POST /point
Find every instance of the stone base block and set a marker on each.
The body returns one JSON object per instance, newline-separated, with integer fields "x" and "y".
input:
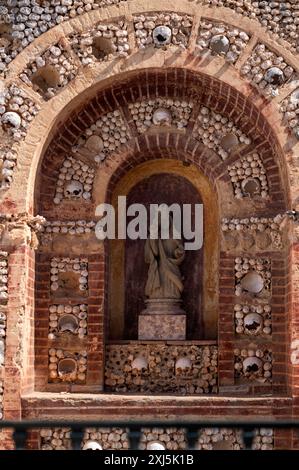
{"x": 163, "y": 307}
{"x": 162, "y": 327}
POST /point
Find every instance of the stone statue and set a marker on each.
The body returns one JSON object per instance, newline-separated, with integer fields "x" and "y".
{"x": 164, "y": 257}
{"x": 163, "y": 317}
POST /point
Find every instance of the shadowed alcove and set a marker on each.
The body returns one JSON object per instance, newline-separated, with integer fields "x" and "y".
{"x": 158, "y": 189}
{"x": 169, "y": 182}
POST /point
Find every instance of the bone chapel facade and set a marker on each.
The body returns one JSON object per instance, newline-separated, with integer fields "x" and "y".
{"x": 196, "y": 102}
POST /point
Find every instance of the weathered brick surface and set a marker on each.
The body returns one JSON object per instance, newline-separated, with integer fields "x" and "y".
{"x": 112, "y": 85}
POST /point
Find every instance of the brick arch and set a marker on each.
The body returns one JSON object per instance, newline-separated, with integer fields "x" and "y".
{"x": 56, "y": 110}
{"x": 188, "y": 150}
{"x": 127, "y": 87}
{"x": 234, "y": 95}
{"x": 126, "y": 8}
{"x": 161, "y": 144}
{"x": 163, "y": 166}
{"x": 147, "y": 84}
{"x": 170, "y": 146}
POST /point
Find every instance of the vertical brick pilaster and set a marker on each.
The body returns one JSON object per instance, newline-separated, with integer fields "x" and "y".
{"x": 226, "y": 321}
{"x": 19, "y": 357}
{"x": 294, "y": 337}
{"x": 96, "y": 346}
{"x": 42, "y": 288}
{"x": 283, "y": 439}
{"x": 33, "y": 439}
{"x": 94, "y": 343}
{"x": 280, "y": 343}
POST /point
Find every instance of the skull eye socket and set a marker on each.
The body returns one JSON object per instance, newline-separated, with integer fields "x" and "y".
{"x": 162, "y": 35}
{"x": 74, "y": 188}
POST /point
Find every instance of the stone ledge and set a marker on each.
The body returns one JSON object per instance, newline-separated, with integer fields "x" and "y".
{"x": 39, "y": 404}
{"x": 109, "y": 398}
{"x": 128, "y": 408}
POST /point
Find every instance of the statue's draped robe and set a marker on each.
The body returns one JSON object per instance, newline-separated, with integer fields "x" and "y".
{"x": 164, "y": 278}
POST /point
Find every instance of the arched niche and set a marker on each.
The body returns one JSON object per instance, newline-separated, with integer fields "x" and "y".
{"x": 158, "y": 189}
{"x": 204, "y": 303}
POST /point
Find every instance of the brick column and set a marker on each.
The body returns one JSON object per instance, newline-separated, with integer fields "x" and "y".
{"x": 96, "y": 347}
{"x": 226, "y": 322}
{"x": 280, "y": 349}
{"x": 93, "y": 343}
{"x": 19, "y": 360}
{"x": 42, "y": 302}
{"x": 33, "y": 439}
{"x": 294, "y": 338}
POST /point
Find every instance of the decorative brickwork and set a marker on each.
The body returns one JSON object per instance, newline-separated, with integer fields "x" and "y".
{"x": 158, "y": 369}
{"x": 51, "y": 71}
{"x": 218, "y": 132}
{"x": 162, "y": 29}
{"x": 17, "y": 111}
{"x": 253, "y": 364}
{"x": 97, "y": 98}
{"x": 101, "y": 43}
{"x": 267, "y": 71}
{"x": 248, "y": 177}
{"x": 221, "y": 39}
{"x": 67, "y": 366}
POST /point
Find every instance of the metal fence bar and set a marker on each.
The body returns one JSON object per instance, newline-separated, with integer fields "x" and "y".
{"x": 19, "y": 437}
{"x": 77, "y": 434}
{"x": 248, "y": 436}
{"x": 134, "y": 435}
{"x": 192, "y": 435}
{"x": 182, "y": 423}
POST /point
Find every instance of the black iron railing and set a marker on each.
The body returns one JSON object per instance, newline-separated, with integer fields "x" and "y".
{"x": 134, "y": 429}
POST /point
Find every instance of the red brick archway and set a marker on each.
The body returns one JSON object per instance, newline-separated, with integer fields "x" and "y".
{"x": 170, "y": 144}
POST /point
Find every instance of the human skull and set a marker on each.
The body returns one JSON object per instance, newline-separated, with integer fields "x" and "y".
{"x": 162, "y": 117}
{"x": 67, "y": 368}
{"x": 253, "y": 323}
{"x": 68, "y": 323}
{"x": 219, "y": 44}
{"x": 140, "y": 363}
{"x": 11, "y": 119}
{"x": 252, "y": 365}
{"x": 274, "y": 76}
{"x": 155, "y": 446}
{"x": 94, "y": 144}
{"x": 162, "y": 35}
{"x": 252, "y": 282}
{"x": 74, "y": 189}
{"x": 251, "y": 187}
{"x": 92, "y": 445}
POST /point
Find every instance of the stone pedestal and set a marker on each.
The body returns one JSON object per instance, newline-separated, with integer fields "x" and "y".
{"x": 162, "y": 320}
